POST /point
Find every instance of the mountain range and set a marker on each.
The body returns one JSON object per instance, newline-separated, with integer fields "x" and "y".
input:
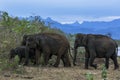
{"x": 94, "y": 27}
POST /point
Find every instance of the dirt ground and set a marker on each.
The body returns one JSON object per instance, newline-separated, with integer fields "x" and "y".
{"x": 61, "y": 73}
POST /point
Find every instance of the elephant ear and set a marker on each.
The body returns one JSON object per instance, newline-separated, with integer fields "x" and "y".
{"x": 84, "y": 40}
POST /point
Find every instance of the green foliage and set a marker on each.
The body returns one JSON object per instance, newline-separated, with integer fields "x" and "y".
{"x": 12, "y": 29}
{"x": 11, "y": 32}
{"x": 5, "y": 19}
{"x": 24, "y": 26}
{"x": 11, "y": 65}
{"x": 104, "y": 72}
{"x": 89, "y": 76}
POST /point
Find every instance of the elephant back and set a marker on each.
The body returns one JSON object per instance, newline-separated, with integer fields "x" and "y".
{"x": 61, "y": 38}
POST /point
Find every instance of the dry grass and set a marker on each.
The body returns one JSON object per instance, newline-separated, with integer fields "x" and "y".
{"x": 61, "y": 73}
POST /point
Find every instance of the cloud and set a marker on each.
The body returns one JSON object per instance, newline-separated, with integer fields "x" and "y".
{"x": 64, "y": 10}
{"x": 81, "y": 19}
{"x": 108, "y": 18}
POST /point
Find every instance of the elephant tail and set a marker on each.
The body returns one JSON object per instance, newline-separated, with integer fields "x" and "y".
{"x": 70, "y": 53}
{"x": 116, "y": 49}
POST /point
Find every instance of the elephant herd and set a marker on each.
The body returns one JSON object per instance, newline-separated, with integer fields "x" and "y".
{"x": 49, "y": 44}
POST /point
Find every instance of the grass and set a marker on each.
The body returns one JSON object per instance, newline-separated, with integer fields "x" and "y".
{"x": 74, "y": 73}
{"x": 62, "y": 73}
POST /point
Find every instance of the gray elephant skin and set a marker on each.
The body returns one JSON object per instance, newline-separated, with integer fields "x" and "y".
{"x": 49, "y": 44}
{"x": 96, "y": 46}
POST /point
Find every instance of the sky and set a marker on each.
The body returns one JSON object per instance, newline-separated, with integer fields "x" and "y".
{"x": 64, "y": 11}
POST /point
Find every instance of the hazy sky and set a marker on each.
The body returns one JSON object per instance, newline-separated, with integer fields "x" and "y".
{"x": 64, "y": 10}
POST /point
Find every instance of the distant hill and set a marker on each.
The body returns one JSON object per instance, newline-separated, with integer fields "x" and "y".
{"x": 96, "y": 27}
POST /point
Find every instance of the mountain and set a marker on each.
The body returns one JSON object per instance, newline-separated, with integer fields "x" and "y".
{"x": 95, "y": 27}
{"x": 76, "y": 23}
{"x": 54, "y": 24}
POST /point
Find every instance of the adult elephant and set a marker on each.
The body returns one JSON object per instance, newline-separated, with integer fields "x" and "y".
{"x": 49, "y": 44}
{"x": 99, "y": 46}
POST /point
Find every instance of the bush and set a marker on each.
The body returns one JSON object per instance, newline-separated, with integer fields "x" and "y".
{"x": 12, "y": 30}
{"x": 11, "y": 66}
{"x": 89, "y": 76}
{"x": 104, "y": 73}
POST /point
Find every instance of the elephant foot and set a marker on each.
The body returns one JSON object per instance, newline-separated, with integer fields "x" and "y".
{"x": 25, "y": 64}
{"x": 117, "y": 67}
{"x": 86, "y": 67}
{"x": 94, "y": 65}
{"x": 68, "y": 65}
{"x": 55, "y": 65}
{"x": 34, "y": 63}
{"x": 42, "y": 65}
{"x": 74, "y": 64}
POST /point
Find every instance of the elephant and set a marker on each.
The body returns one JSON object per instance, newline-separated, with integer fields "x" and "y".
{"x": 23, "y": 43}
{"x": 96, "y": 46}
{"x": 20, "y": 51}
{"x": 49, "y": 44}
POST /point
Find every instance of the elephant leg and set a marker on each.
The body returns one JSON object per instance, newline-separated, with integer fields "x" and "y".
{"x": 26, "y": 56}
{"x": 59, "y": 54}
{"x": 37, "y": 56}
{"x": 66, "y": 60}
{"x": 33, "y": 61}
{"x": 46, "y": 55}
{"x": 92, "y": 57}
{"x": 86, "y": 63}
{"x": 50, "y": 56}
{"x": 114, "y": 58}
{"x": 57, "y": 61}
{"x": 74, "y": 60}
{"x": 46, "y": 58}
{"x": 107, "y": 62}
{"x": 63, "y": 60}
{"x": 86, "y": 60}
{"x": 91, "y": 62}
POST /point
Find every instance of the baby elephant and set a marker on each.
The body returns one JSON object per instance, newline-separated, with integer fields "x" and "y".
{"x": 20, "y": 51}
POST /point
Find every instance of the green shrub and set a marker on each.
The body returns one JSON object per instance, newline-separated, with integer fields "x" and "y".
{"x": 104, "y": 73}
{"x": 89, "y": 76}
{"x": 11, "y": 66}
